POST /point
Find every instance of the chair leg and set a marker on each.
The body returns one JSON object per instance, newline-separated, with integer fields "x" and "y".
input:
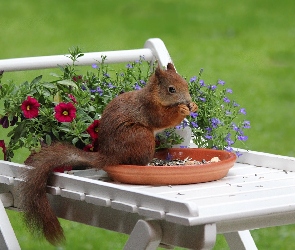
{"x": 241, "y": 240}
{"x": 146, "y": 235}
{"x": 8, "y": 240}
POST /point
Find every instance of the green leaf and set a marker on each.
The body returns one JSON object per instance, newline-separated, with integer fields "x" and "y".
{"x": 48, "y": 139}
{"x": 67, "y": 83}
{"x": 75, "y": 140}
{"x": 36, "y": 80}
{"x": 49, "y": 85}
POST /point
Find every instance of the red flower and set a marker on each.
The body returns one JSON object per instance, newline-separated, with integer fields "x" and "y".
{"x": 77, "y": 78}
{"x": 93, "y": 129}
{"x": 89, "y": 148}
{"x": 2, "y": 145}
{"x": 92, "y": 147}
{"x": 72, "y": 98}
{"x": 65, "y": 112}
{"x": 30, "y": 107}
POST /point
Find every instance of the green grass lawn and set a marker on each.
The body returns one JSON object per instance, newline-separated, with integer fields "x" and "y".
{"x": 249, "y": 44}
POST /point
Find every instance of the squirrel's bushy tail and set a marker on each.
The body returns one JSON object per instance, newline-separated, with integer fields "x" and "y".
{"x": 38, "y": 215}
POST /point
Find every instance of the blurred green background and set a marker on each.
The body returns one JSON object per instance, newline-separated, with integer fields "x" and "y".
{"x": 248, "y": 44}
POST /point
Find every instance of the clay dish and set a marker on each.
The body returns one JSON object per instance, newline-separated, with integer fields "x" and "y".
{"x": 174, "y": 175}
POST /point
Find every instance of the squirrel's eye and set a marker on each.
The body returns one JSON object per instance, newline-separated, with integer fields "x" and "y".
{"x": 171, "y": 89}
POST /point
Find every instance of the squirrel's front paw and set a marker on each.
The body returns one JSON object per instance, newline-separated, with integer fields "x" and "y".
{"x": 193, "y": 107}
{"x": 184, "y": 109}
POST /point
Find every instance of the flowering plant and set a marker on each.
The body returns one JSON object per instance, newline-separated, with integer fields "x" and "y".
{"x": 69, "y": 108}
{"x": 219, "y": 122}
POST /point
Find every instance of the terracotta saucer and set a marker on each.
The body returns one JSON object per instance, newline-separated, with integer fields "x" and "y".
{"x": 173, "y": 175}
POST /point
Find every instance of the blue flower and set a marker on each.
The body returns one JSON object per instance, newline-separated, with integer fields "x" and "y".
{"x": 202, "y": 83}
{"x": 242, "y": 137}
{"x": 212, "y": 87}
{"x": 94, "y": 66}
{"x": 194, "y": 124}
{"x": 106, "y": 75}
{"x": 243, "y": 111}
{"x": 142, "y": 82}
{"x": 228, "y": 140}
{"x": 184, "y": 123}
{"x": 203, "y": 99}
{"x": 194, "y": 115}
{"x": 209, "y": 137}
{"x": 215, "y": 122}
{"x": 220, "y": 82}
{"x": 235, "y": 127}
{"x": 229, "y": 91}
{"x": 111, "y": 86}
{"x": 225, "y": 99}
{"x": 129, "y": 66}
{"x": 236, "y": 104}
{"x": 193, "y": 79}
{"x": 246, "y": 124}
{"x": 99, "y": 90}
{"x": 238, "y": 154}
{"x": 137, "y": 87}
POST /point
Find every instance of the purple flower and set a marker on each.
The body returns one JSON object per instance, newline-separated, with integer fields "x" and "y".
{"x": 94, "y": 66}
{"x": 209, "y": 137}
{"x": 225, "y": 99}
{"x": 229, "y": 91}
{"x": 129, "y": 66}
{"x": 194, "y": 115}
{"x": 235, "y": 127}
{"x": 142, "y": 82}
{"x": 194, "y": 124}
{"x": 184, "y": 123}
{"x": 203, "y": 99}
{"x": 238, "y": 154}
{"x": 242, "y": 138}
{"x": 106, "y": 75}
{"x": 215, "y": 122}
{"x": 202, "y": 83}
{"x": 243, "y": 111}
{"x": 229, "y": 149}
{"x": 111, "y": 86}
{"x": 212, "y": 87}
{"x": 208, "y": 129}
{"x": 99, "y": 90}
{"x": 228, "y": 140}
{"x": 236, "y": 104}
{"x": 246, "y": 124}
{"x": 137, "y": 87}
{"x": 220, "y": 82}
{"x": 193, "y": 79}
{"x": 4, "y": 121}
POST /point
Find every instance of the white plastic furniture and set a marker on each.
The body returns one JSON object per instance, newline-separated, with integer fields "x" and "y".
{"x": 258, "y": 192}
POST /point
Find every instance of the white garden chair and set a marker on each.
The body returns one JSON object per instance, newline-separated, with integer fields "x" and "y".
{"x": 258, "y": 192}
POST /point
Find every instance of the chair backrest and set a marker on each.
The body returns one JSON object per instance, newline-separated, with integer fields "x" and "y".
{"x": 154, "y": 49}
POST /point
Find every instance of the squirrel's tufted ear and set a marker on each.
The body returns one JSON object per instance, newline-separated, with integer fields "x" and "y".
{"x": 170, "y": 66}
{"x": 158, "y": 71}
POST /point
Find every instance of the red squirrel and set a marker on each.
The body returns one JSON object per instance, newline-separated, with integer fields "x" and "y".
{"x": 126, "y": 136}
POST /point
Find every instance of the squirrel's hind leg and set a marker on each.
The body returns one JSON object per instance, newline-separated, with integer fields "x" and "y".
{"x": 134, "y": 146}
